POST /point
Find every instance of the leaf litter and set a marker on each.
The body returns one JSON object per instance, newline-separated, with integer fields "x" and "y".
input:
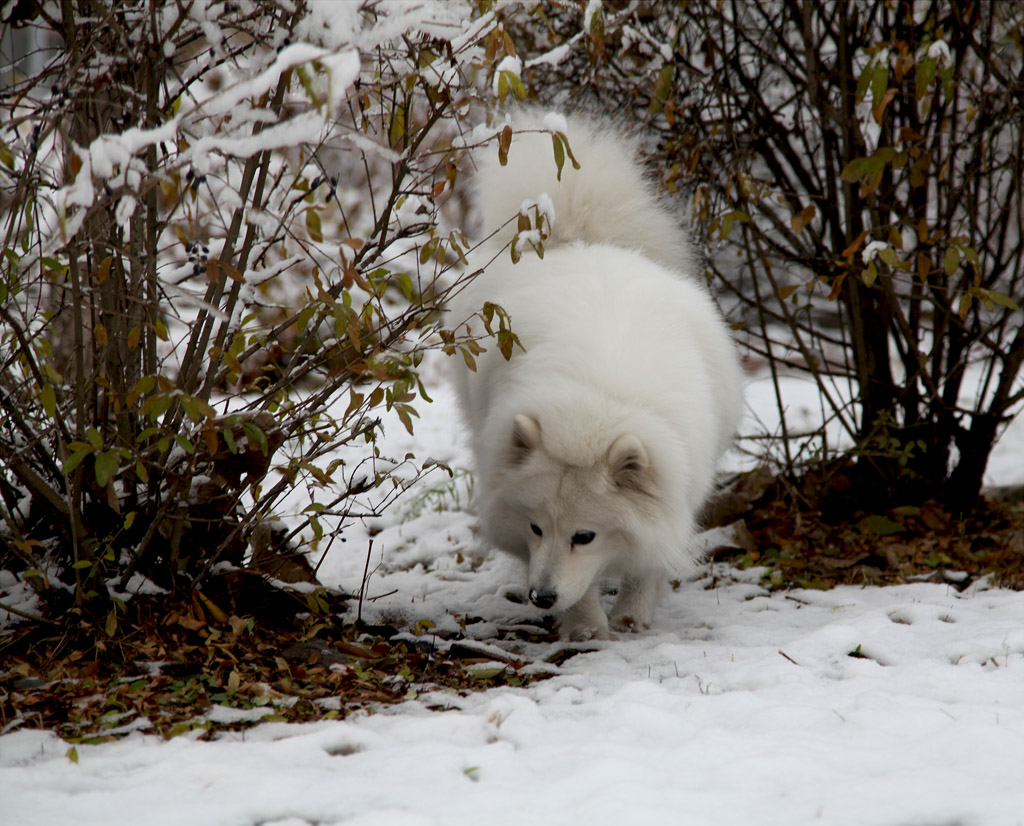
{"x": 249, "y": 651}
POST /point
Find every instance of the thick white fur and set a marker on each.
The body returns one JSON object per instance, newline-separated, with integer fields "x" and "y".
{"x": 613, "y": 418}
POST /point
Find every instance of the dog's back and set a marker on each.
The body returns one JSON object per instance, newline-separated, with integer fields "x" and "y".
{"x": 608, "y": 200}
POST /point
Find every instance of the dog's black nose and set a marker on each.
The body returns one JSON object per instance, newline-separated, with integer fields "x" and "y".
{"x": 543, "y": 599}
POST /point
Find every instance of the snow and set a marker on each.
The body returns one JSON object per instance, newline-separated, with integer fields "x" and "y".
{"x": 857, "y": 706}
{"x": 509, "y": 64}
{"x": 344, "y": 70}
{"x": 740, "y": 706}
{"x": 939, "y": 51}
{"x": 871, "y": 250}
{"x": 555, "y": 122}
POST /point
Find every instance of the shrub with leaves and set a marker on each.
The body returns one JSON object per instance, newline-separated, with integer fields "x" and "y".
{"x": 222, "y": 261}
{"x": 857, "y": 169}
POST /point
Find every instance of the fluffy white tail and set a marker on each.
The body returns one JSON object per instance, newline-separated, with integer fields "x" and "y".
{"x": 608, "y": 200}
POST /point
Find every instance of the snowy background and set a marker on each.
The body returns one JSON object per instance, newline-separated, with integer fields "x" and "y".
{"x": 738, "y": 707}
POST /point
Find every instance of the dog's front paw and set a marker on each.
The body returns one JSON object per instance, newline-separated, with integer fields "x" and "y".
{"x": 587, "y": 634}
{"x": 585, "y": 631}
{"x": 629, "y": 625}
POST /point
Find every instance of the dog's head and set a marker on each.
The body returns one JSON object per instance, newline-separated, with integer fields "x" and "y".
{"x": 575, "y": 520}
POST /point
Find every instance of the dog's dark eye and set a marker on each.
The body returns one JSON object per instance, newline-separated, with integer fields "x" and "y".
{"x": 582, "y": 537}
{"x": 536, "y": 529}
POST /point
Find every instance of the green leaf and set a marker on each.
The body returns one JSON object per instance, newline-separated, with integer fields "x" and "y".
{"x": 74, "y": 460}
{"x": 428, "y": 249}
{"x": 948, "y": 85}
{"x": 142, "y": 387}
{"x": 870, "y": 274}
{"x": 94, "y": 438}
{"x": 863, "y": 82}
{"x": 313, "y": 225}
{"x": 106, "y": 466}
{"x": 855, "y": 170}
{"x": 49, "y": 400}
{"x": 879, "y": 82}
{"x": 405, "y": 413}
{"x": 453, "y": 242}
{"x": 1003, "y": 300}
{"x": 889, "y": 256}
{"x": 965, "y": 305}
{"x": 397, "y": 130}
{"x": 229, "y": 438}
{"x": 727, "y": 221}
{"x": 485, "y": 671}
{"x": 405, "y": 285}
{"x": 304, "y": 316}
{"x": 951, "y": 261}
{"x": 237, "y": 344}
{"x": 256, "y": 435}
{"x": 597, "y": 31}
{"x": 517, "y": 85}
{"x": 925, "y": 75}
{"x": 197, "y": 409}
{"x": 568, "y": 150}
{"x": 556, "y": 141}
{"x": 878, "y": 524}
{"x": 662, "y": 89}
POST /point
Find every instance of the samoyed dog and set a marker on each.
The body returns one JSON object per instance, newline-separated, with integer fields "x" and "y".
{"x": 596, "y": 443}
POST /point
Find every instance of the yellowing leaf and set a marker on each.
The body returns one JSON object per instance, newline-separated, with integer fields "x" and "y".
{"x": 1003, "y": 300}
{"x": 803, "y": 218}
{"x": 559, "y": 154}
{"x": 313, "y": 225}
{"x": 504, "y": 142}
{"x": 853, "y": 247}
{"x": 951, "y": 261}
{"x": 103, "y": 270}
{"x": 49, "y": 400}
{"x": 878, "y": 524}
{"x": 106, "y": 466}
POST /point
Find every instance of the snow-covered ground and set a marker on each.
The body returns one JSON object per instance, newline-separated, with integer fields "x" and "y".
{"x": 738, "y": 707}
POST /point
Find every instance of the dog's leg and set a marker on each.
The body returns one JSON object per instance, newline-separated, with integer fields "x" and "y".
{"x": 634, "y": 608}
{"x": 586, "y": 620}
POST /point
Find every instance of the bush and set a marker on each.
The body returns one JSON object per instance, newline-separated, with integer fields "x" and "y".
{"x": 223, "y": 257}
{"x": 858, "y": 168}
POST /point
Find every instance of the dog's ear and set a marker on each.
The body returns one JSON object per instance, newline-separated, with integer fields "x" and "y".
{"x": 628, "y": 463}
{"x": 525, "y": 435}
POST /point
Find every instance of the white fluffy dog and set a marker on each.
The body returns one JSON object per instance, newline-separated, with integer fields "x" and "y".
{"x": 596, "y": 446}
